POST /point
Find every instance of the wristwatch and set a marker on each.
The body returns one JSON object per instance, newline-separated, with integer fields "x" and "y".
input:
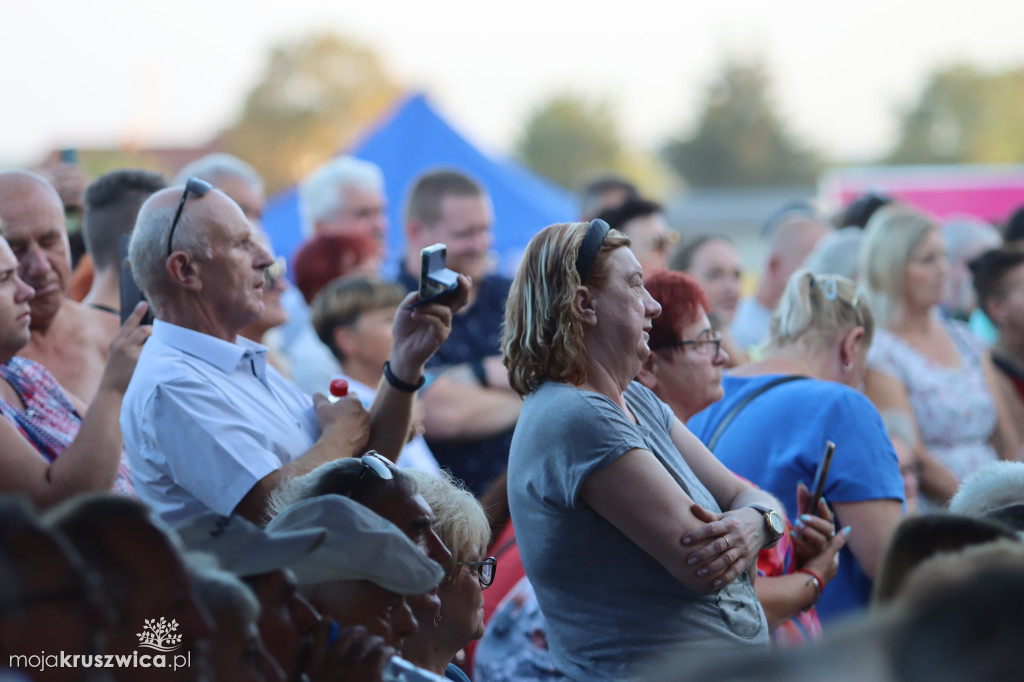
{"x": 773, "y": 524}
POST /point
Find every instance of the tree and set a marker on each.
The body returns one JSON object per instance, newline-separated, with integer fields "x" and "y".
{"x": 316, "y": 94}
{"x": 568, "y": 138}
{"x": 739, "y": 139}
{"x": 963, "y": 115}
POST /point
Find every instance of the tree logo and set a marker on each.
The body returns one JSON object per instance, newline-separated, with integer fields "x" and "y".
{"x": 158, "y": 635}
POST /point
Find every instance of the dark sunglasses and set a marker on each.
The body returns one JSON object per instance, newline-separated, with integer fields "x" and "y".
{"x": 485, "y": 570}
{"x": 196, "y": 186}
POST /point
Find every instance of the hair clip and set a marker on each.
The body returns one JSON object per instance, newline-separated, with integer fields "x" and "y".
{"x": 831, "y": 288}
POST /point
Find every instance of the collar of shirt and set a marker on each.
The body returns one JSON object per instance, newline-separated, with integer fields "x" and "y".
{"x": 223, "y": 355}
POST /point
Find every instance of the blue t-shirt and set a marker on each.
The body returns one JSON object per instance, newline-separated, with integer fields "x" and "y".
{"x": 610, "y": 606}
{"x": 777, "y": 440}
{"x": 476, "y": 334}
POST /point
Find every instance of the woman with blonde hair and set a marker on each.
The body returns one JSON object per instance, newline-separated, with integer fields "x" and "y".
{"x": 778, "y": 413}
{"x": 931, "y": 369}
{"x": 462, "y": 525}
{"x": 635, "y": 538}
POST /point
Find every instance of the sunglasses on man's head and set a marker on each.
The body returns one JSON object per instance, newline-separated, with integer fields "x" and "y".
{"x": 196, "y": 186}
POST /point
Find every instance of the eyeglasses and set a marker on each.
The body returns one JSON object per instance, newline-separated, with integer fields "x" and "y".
{"x": 373, "y": 462}
{"x": 485, "y": 570}
{"x": 663, "y": 242}
{"x": 273, "y": 274}
{"x": 198, "y": 187}
{"x": 89, "y": 588}
{"x": 702, "y": 344}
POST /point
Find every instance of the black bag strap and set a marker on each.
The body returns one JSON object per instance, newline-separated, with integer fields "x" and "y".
{"x": 738, "y": 407}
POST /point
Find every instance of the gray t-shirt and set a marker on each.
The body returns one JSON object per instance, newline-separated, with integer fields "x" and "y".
{"x": 610, "y": 606}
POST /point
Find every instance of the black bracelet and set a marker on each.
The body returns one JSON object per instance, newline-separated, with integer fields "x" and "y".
{"x": 398, "y": 383}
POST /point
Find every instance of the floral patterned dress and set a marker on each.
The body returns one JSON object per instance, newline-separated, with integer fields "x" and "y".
{"x": 955, "y": 411}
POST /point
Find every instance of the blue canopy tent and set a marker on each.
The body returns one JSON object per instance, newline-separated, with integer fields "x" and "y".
{"x": 414, "y": 138}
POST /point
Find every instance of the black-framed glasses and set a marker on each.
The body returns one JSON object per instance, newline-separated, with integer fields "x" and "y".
{"x": 376, "y": 464}
{"x": 196, "y": 186}
{"x": 705, "y": 343}
{"x": 89, "y": 587}
{"x": 275, "y": 272}
{"x": 485, "y": 570}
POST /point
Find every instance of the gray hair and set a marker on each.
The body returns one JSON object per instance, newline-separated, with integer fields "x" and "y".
{"x": 147, "y": 251}
{"x": 461, "y": 522}
{"x": 836, "y": 253}
{"x": 993, "y": 486}
{"x": 320, "y": 195}
{"x": 214, "y": 167}
{"x": 892, "y": 234}
{"x": 221, "y": 592}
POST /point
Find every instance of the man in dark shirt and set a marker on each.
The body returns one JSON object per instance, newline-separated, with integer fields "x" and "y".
{"x": 469, "y": 409}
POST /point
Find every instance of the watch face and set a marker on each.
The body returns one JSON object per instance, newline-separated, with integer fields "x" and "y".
{"x": 777, "y": 523}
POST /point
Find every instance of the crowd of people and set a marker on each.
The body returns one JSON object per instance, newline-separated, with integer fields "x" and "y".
{"x": 294, "y": 469}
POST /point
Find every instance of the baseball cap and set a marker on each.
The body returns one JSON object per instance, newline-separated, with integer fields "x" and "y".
{"x": 245, "y": 549}
{"x": 360, "y": 545}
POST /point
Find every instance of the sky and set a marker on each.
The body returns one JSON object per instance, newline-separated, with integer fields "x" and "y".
{"x": 104, "y": 71}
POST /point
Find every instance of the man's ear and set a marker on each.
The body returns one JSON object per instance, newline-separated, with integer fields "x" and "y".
{"x": 584, "y": 303}
{"x": 184, "y": 271}
{"x": 648, "y": 374}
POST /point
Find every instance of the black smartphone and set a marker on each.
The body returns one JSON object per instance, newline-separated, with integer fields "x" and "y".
{"x": 818, "y": 487}
{"x": 130, "y": 292}
{"x": 435, "y": 279}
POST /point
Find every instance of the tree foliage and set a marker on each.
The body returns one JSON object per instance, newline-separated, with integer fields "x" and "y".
{"x": 316, "y": 94}
{"x": 739, "y": 138}
{"x": 964, "y": 115}
{"x": 569, "y": 137}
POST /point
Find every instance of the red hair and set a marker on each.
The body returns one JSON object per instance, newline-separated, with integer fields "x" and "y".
{"x": 681, "y": 299}
{"x": 328, "y": 257}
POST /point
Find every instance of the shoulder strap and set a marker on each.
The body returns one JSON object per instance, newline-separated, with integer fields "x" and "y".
{"x": 738, "y": 407}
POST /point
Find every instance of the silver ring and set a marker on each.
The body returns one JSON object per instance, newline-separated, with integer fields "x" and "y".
{"x": 728, "y": 545}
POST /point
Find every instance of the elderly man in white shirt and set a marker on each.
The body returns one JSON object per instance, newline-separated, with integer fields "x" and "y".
{"x": 207, "y": 423}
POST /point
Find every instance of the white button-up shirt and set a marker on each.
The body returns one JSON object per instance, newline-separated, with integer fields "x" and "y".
{"x": 204, "y": 420}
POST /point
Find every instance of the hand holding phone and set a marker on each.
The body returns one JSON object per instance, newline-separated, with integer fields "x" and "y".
{"x": 435, "y": 279}
{"x": 820, "y": 476}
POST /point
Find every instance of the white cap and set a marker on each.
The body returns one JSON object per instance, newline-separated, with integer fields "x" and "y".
{"x": 243, "y": 548}
{"x": 360, "y": 545}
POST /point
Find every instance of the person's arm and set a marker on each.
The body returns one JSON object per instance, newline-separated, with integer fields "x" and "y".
{"x": 89, "y": 463}
{"x": 1006, "y": 439}
{"x": 638, "y": 496}
{"x": 418, "y": 333}
{"x": 457, "y": 407}
{"x": 873, "y": 522}
{"x": 888, "y": 393}
{"x": 345, "y": 427}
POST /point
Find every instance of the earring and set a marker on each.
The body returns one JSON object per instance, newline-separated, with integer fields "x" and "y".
{"x": 847, "y": 367}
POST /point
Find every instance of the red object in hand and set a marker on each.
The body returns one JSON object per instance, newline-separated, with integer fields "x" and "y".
{"x": 339, "y": 388}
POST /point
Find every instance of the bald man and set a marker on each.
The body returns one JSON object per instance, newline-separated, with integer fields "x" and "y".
{"x": 795, "y": 233}
{"x": 69, "y": 339}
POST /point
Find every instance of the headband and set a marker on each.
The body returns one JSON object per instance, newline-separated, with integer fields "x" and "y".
{"x": 596, "y": 232}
